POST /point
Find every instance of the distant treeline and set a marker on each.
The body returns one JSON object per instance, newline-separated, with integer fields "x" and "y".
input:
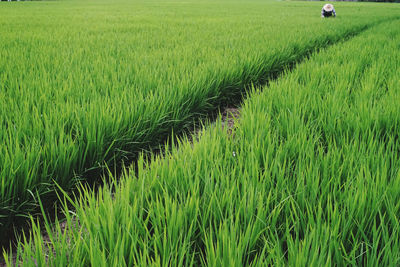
{"x": 386, "y": 1}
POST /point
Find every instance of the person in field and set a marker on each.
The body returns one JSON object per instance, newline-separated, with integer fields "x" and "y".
{"x": 328, "y": 11}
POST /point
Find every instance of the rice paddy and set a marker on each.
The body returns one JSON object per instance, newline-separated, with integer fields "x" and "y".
{"x": 309, "y": 176}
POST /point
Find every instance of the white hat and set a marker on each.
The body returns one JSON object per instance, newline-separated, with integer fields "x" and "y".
{"x": 328, "y": 7}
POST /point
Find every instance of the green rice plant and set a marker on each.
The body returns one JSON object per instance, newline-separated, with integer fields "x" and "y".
{"x": 309, "y": 177}
{"x": 88, "y": 84}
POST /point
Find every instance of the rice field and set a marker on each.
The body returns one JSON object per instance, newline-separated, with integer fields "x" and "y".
{"x": 309, "y": 176}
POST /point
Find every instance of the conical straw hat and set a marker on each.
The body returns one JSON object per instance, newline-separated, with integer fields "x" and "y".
{"x": 328, "y": 7}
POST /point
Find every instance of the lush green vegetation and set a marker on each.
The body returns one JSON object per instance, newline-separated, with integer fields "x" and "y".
{"x": 85, "y": 84}
{"x": 309, "y": 177}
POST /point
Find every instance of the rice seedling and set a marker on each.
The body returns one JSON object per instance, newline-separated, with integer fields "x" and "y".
{"x": 88, "y": 84}
{"x": 310, "y": 177}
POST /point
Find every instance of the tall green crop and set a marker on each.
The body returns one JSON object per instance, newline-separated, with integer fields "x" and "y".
{"x": 309, "y": 177}
{"x": 85, "y": 84}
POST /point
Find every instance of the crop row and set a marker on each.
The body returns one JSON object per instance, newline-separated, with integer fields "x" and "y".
{"x": 310, "y": 176}
{"x": 86, "y": 85}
